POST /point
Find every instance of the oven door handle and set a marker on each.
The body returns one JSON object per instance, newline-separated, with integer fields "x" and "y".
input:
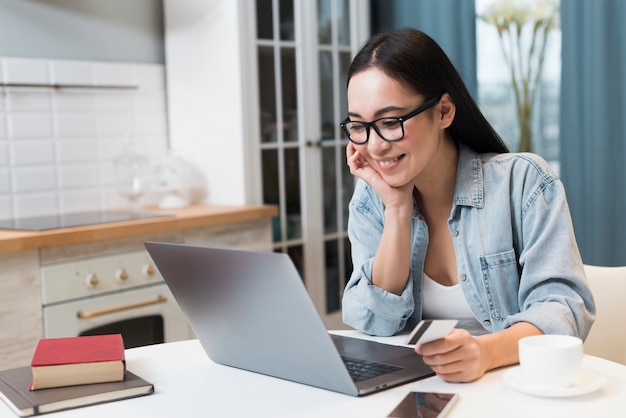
{"x": 93, "y": 314}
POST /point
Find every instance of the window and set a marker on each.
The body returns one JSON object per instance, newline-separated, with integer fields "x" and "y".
{"x": 496, "y": 95}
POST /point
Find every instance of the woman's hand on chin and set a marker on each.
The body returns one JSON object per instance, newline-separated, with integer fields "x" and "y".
{"x": 391, "y": 196}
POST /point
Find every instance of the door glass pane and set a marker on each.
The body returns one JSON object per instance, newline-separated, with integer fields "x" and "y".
{"x": 331, "y": 251}
{"x": 292, "y": 192}
{"x": 343, "y": 22}
{"x": 264, "y": 20}
{"x": 290, "y": 94}
{"x": 344, "y": 63}
{"x": 325, "y": 19}
{"x": 329, "y": 188}
{"x": 297, "y": 256}
{"x": 287, "y": 26}
{"x": 324, "y": 30}
{"x": 326, "y": 95}
{"x": 347, "y": 187}
{"x": 269, "y": 167}
{"x": 347, "y": 262}
{"x": 267, "y": 95}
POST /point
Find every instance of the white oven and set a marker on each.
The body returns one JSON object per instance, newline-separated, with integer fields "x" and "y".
{"x": 121, "y": 293}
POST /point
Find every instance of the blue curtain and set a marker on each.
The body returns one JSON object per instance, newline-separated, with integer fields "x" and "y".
{"x": 593, "y": 126}
{"x": 451, "y": 23}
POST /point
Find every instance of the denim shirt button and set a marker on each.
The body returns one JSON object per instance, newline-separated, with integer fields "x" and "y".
{"x": 456, "y": 232}
{"x": 487, "y": 322}
{"x": 463, "y": 277}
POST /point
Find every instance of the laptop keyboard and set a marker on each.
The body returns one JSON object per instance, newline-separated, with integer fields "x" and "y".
{"x": 363, "y": 369}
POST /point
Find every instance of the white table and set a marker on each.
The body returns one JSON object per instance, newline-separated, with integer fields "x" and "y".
{"x": 188, "y": 384}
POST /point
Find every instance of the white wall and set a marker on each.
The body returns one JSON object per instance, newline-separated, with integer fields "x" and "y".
{"x": 93, "y": 30}
{"x": 206, "y": 102}
{"x": 57, "y": 146}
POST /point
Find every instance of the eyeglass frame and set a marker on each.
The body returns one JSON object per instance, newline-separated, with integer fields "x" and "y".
{"x": 401, "y": 119}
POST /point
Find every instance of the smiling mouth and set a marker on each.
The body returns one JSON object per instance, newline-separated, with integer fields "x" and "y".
{"x": 388, "y": 163}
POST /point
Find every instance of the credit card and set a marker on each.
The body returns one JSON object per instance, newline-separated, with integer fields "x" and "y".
{"x": 430, "y": 330}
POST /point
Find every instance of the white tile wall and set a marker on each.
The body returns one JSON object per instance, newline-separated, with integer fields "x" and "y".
{"x": 26, "y": 70}
{"x": 4, "y": 153}
{"x": 5, "y": 205}
{"x": 71, "y": 72}
{"x": 40, "y": 179}
{"x": 37, "y": 152}
{"x": 57, "y": 146}
{"x": 77, "y": 150}
{"x": 5, "y": 181}
{"x": 27, "y": 125}
{"x": 28, "y": 100}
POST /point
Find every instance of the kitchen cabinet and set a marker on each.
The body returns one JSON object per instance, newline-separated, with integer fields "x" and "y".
{"x": 23, "y": 256}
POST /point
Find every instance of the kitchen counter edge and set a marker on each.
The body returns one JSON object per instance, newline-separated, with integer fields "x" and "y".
{"x": 195, "y": 216}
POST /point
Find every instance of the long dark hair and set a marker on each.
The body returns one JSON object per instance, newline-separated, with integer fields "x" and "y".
{"x": 416, "y": 60}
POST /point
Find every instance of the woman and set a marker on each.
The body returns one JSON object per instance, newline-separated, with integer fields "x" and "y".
{"x": 445, "y": 223}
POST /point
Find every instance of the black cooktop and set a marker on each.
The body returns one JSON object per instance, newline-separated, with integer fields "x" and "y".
{"x": 68, "y": 220}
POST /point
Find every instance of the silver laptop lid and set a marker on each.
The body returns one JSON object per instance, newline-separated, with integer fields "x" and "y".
{"x": 251, "y": 310}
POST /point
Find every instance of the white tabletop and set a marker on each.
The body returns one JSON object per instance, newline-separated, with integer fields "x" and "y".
{"x": 187, "y": 383}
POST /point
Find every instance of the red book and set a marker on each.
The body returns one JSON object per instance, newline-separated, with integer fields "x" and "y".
{"x": 78, "y": 360}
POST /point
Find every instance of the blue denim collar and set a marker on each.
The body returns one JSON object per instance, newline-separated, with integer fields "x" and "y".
{"x": 469, "y": 179}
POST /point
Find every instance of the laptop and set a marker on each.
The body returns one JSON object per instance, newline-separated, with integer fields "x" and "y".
{"x": 251, "y": 310}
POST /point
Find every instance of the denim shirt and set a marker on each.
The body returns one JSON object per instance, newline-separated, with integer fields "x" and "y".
{"x": 516, "y": 253}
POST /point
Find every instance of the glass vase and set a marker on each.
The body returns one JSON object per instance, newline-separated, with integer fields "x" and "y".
{"x": 524, "y": 120}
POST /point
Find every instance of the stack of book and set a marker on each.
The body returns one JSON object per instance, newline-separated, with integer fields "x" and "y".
{"x": 70, "y": 372}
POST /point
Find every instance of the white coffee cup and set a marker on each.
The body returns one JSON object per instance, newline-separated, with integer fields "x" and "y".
{"x": 550, "y": 360}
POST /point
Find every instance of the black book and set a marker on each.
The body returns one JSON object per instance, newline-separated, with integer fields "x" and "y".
{"x": 15, "y": 391}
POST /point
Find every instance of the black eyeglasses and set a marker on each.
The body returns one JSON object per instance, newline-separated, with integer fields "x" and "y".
{"x": 390, "y": 129}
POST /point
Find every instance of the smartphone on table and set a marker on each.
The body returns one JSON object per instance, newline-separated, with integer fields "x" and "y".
{"x": 424, "y": 405}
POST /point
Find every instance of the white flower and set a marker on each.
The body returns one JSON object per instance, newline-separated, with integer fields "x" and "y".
{"x": 505, "y": 12}
{"x": 500, "y": 12}
{"x": 543, "y": 10}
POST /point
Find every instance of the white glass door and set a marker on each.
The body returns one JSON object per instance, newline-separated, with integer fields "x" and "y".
{"x": 303, "y": 49}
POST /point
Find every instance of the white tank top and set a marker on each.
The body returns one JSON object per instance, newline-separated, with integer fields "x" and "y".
{"x": 448, "y": 302}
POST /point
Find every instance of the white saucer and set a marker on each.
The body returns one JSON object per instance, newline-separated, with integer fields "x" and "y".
{"x": 587, "y": 381}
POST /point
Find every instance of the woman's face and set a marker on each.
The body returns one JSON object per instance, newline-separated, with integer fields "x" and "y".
{"x": 372, "y": 95}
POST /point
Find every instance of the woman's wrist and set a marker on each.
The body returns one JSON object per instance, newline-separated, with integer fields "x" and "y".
{"x": 500, "y": 348}
{"x": 398, "y": 214}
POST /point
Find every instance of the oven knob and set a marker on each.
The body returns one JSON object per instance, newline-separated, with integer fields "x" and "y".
{"x": 121, "y": 275}
{"x": 148, "y": 270}
{"x": 91, "y": 280}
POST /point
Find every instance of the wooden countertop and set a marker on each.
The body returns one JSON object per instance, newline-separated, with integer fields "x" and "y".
{"x": 185, "y": 218}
